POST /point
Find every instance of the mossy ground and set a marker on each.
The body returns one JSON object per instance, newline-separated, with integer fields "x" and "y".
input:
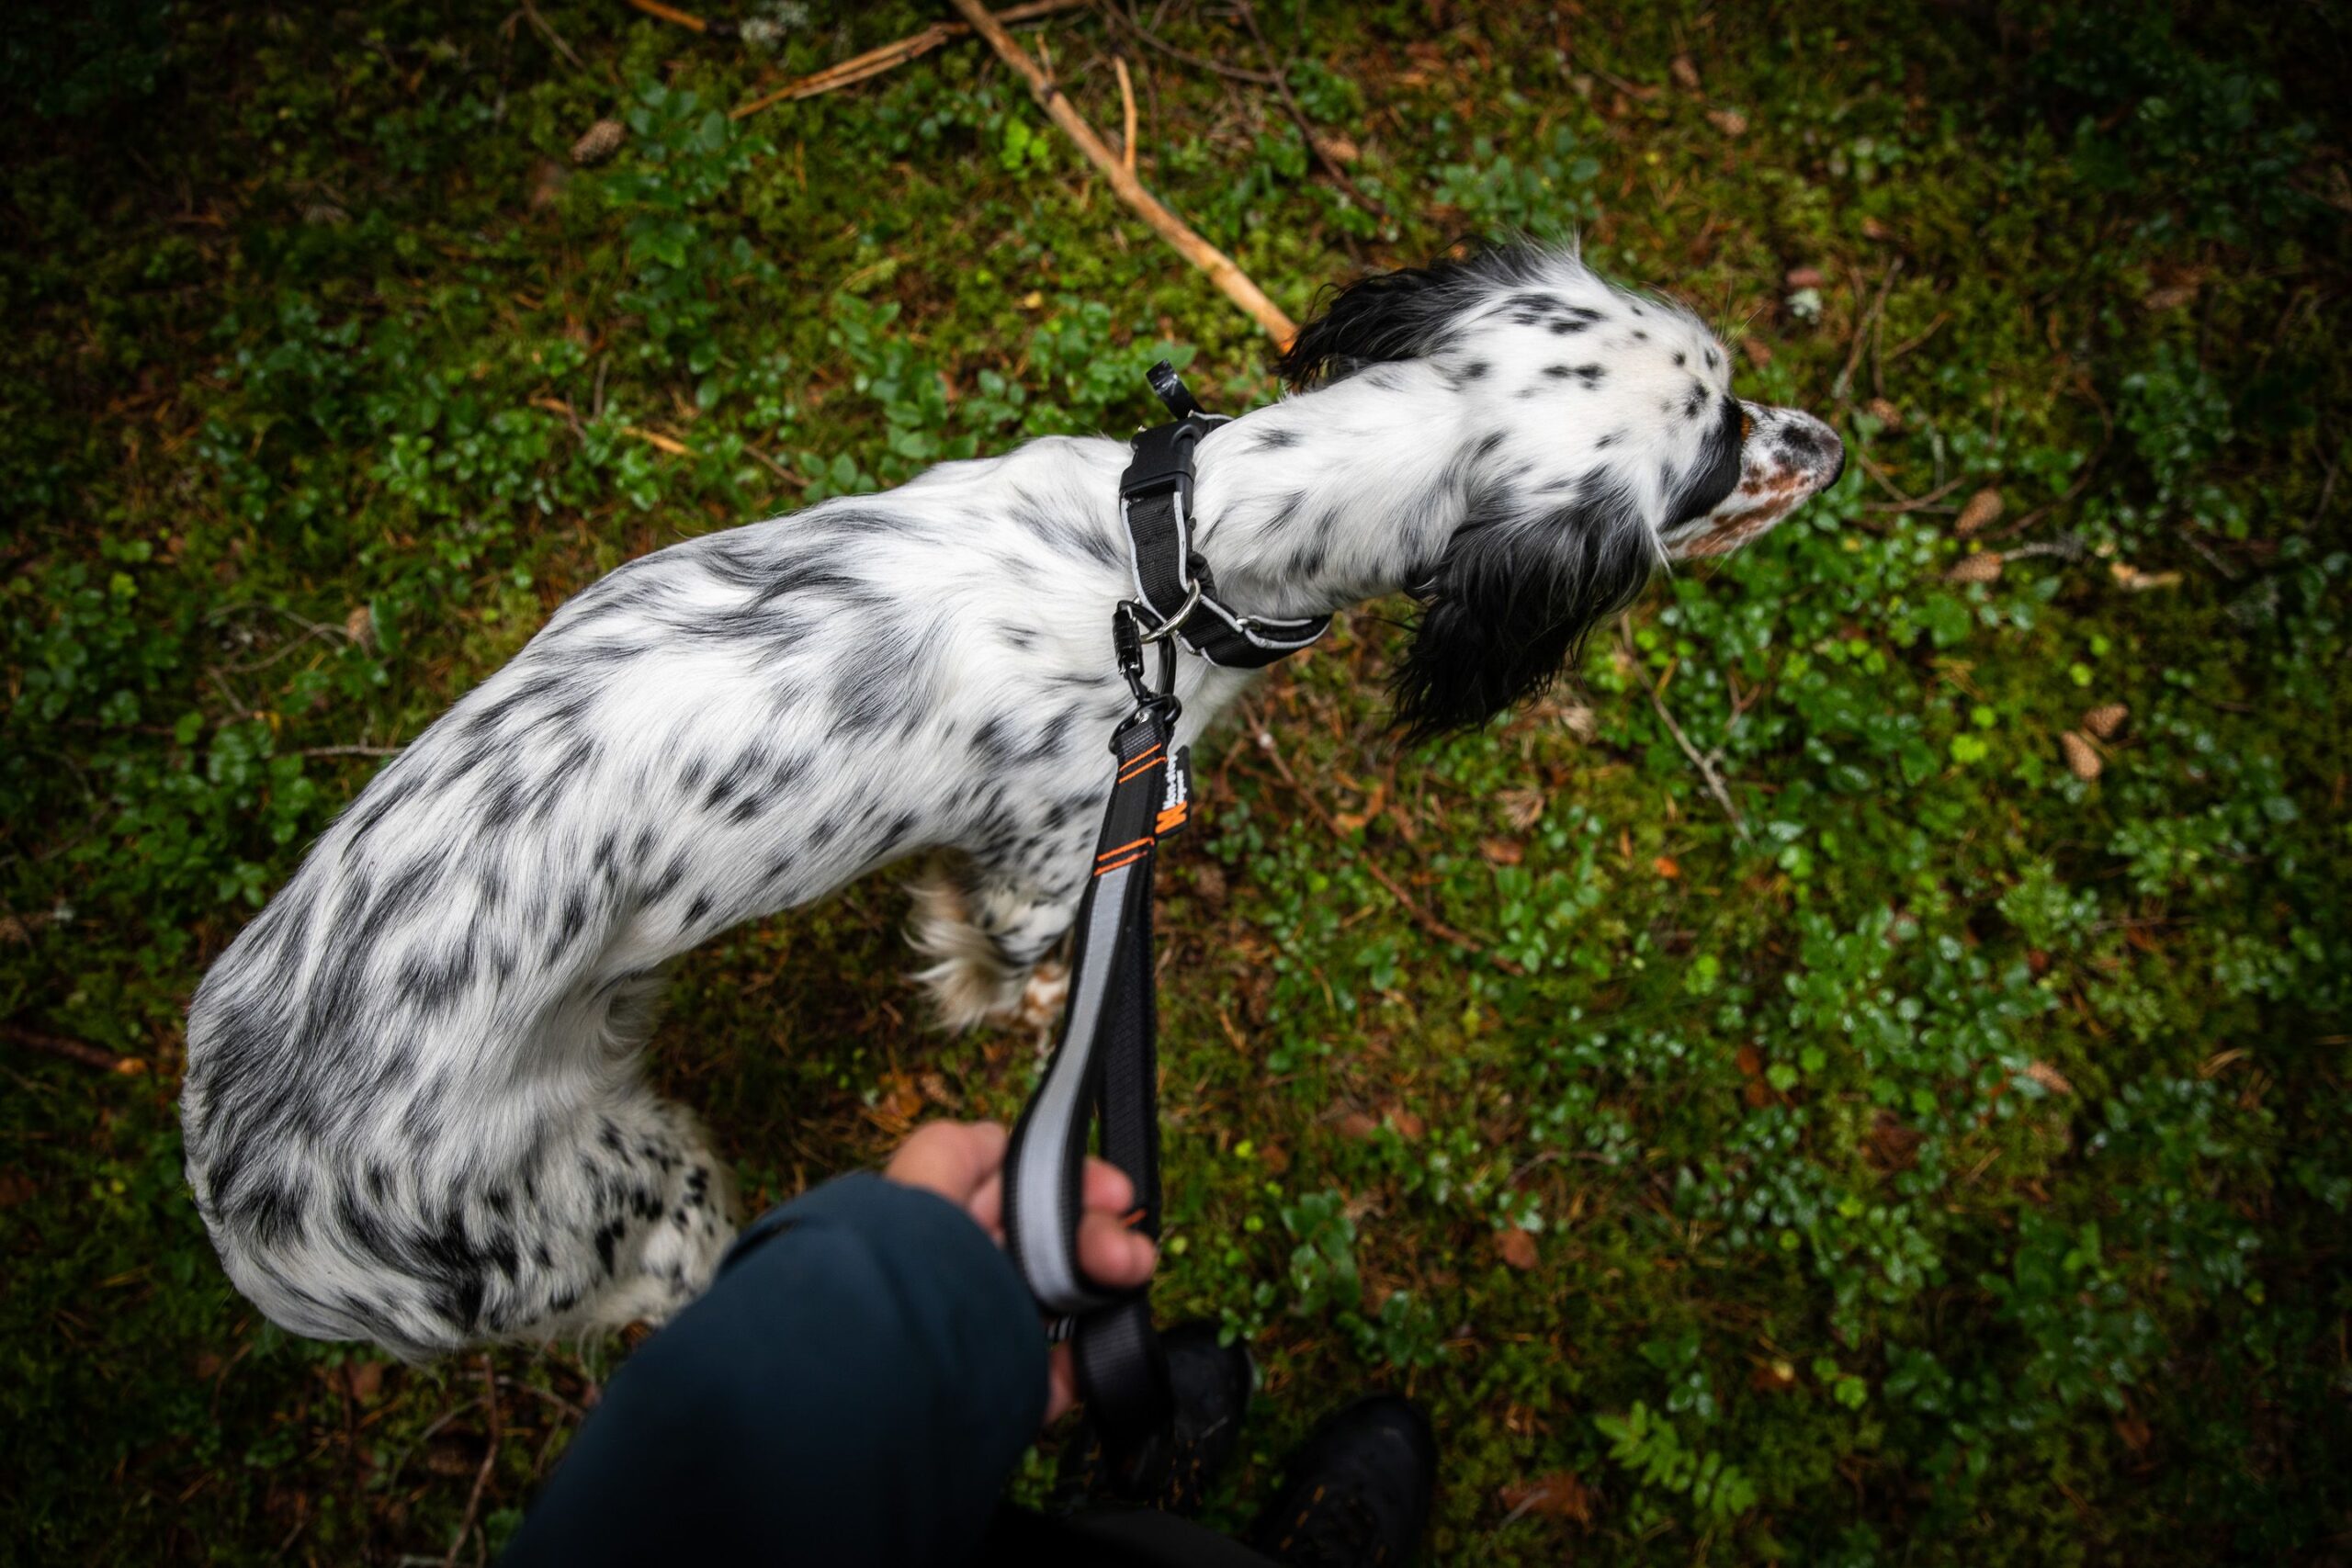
{"x": 1948, "y": 1161}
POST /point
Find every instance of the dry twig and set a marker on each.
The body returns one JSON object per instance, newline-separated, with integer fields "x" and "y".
{"x": 1844, "y": 382}
{"x": 489, "y": 1462}
{"x": 1306, "y": 127}
{"x": 1127, "y": 113}
{"x": 1704, "y": 763}
{"x": 1422, "y": 917}
{"x": 554, "y": 38}
{"x": 875, "y": 61}
{"x": 671, "y": 13}
{"x": 1220, "y": 268}
{"x": 1145, "y": 36}
{"x": 79, "y": 1051}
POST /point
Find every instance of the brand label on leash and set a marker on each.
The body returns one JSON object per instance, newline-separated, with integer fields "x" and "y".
{"x": 1175, "y": 793}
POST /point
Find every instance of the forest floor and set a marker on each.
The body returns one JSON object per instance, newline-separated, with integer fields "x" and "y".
{"x": 1932, "y": 1146}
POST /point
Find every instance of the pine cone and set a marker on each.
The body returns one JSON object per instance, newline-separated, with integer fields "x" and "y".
{"x": 599, "y": 141}
{"x": 2103, "y": 722}
{"x": 1984, "y": 510}
{"x": 1983, "y": 567}
{"x": 2082, "y": 761}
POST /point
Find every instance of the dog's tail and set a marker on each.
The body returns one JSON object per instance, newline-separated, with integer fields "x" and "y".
{"x": 435, "y": 1218}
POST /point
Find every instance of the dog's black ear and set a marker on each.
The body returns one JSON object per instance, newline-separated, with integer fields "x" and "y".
{"x": 1511, "y": 602}
{"x": 1398, "y": 315}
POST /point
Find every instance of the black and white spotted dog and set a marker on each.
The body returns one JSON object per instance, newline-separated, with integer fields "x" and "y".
{"x": 413, "y": 1110}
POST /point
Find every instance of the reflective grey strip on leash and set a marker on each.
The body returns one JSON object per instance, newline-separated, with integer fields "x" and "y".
{"x": 1106, "y": 1066}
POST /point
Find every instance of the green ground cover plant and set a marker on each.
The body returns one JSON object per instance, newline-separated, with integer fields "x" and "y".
{"x": 1859, "y": 1074}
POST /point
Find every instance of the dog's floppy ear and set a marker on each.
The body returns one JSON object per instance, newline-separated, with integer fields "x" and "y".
{"x": 1393, "y": 315}
{"x": 1512, "y": 601}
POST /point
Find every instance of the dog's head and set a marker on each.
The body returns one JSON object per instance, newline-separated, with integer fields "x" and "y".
{"x": 1604, "y": 441}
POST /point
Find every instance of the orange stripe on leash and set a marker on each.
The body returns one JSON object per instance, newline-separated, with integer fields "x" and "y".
{"x": 1141, "y": 764}
{"x": 1122, "y": 849}
{"x": 1106, "y": 870}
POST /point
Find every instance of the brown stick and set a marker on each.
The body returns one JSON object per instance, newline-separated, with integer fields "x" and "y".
{"x": 1170, "y": 228}
{"x": 1298, "y": 116}
{"x": 890, "y": 56}
{"x": 489, "y": 1462}
{"x": 1422, "y": 917}
{"x": 79, "y": 1051}
{"x": 1127, "y": 113}
{"x": 671, "y": 13}
{"x": 1707, "y": 770}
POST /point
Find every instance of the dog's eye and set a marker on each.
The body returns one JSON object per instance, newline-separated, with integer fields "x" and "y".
{"x": 1716, "y": 474}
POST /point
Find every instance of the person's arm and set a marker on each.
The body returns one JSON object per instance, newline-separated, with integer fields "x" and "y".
{"x": 855, "y": 1387}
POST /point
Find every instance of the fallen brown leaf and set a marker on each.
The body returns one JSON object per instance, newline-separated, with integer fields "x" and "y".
{"x": 1985, "y": 566}
{"x": 2082, "y": 757}
{"x": 2105, "y": 721}
{"x": 2049, "y": 1078}
{"x": 599, "y": 141}
{"x": 1336, "y": 146}
{"x": 1664, "y": 865}
{"x": 1983, "y": 510}
{"x": 1886, "y": 413}
{"x": 1358, "y": 1124}
{"x": 1502, "y": 852}
{"x": 1731, "y": 122}
{"x": 2133, "y": 581}
{"x": 1559, "y": 1495}
{"x": 1522, "y": 809}
{"x": 1517, "y": 1247}
{"x": 1409, "y": 1127}
{"x": 1804, "y": 278}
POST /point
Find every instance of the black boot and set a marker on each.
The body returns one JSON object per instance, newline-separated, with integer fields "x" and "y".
{"x": 1357, "y": 1492}
{"x": 1174, "y": 1474}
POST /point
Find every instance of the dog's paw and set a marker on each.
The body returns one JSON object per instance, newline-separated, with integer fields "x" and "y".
{"x": 1043, "y": 999}
{"x": 969, "y": 982}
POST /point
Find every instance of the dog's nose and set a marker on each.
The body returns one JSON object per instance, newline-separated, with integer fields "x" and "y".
{"x": 1821, "y": 446}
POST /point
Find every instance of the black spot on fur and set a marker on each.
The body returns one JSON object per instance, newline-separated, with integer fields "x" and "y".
{"x": 1512, "y": 600}
{"x": 1414, "y": 312}
{"x": 1713, "y": 478}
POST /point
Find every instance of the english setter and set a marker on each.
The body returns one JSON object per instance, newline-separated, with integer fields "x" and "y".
{"x": 414, "y": 1110}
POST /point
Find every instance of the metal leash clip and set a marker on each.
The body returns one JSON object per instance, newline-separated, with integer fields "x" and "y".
{"x": 1129, "y": 638}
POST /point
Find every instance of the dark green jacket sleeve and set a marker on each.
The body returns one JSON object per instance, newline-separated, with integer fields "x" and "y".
{"x": 855, "y": 1387}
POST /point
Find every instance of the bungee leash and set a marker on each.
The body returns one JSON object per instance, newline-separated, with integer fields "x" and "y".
{"x": 1105, "y": 1067}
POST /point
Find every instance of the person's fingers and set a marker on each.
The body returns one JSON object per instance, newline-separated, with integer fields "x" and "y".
{"x": 1106, "y": 1187}
{"x": 987, "y": 1205}
{"x": 1110, "y": 1253}
{"x": 1061, "y": 1384}
{"x": 951, "y": 1158}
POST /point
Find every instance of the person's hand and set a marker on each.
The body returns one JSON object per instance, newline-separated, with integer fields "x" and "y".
{"x": 964, "y": 1163}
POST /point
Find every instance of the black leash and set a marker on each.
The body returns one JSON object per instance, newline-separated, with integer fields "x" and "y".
{"x": 1105, "y": 1067}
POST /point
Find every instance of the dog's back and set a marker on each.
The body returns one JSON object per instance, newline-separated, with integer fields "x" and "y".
{"x": 414, "y": 1113}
